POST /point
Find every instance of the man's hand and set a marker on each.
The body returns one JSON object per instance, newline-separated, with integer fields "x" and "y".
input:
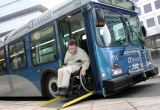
{"x": 83, "y": 72}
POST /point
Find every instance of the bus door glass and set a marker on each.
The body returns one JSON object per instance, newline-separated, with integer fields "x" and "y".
{"x": 65, "y": 35}
{"x": 71, "y": 27}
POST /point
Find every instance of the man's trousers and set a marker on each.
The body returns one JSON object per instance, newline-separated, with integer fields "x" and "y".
{"x": 64, "y": 75}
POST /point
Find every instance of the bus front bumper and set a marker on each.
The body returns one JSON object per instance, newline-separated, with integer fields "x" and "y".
{"x": 115, "y": 85}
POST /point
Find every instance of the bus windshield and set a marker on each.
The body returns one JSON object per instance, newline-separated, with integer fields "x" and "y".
{"x": 134, "y": 28}
{"x": 113, "y": 33}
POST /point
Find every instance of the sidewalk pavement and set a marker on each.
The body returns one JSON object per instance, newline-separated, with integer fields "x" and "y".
{"x": 137, "y": 103}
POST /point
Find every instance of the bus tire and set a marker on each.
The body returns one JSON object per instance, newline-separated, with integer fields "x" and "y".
{"x": 51, "y": 85}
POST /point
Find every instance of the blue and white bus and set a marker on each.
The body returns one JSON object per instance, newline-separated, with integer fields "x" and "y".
{"x": 108, "y": 30}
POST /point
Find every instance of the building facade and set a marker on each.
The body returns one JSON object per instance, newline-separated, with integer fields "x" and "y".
{"x": 15, "y": 13}
{"x": 149, "y": 15}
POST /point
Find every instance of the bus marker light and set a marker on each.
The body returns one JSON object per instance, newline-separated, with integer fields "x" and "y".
{"x": 147, "y": 58}
{"x": 38, "y": 71}
{"x": 103, "y": 75}
{"x": 124, "y": 71}
{"x": 68, "y": 16}
{"x": 101, "y": 23}
{"x": 99, "y": 78}
{"x": 60, "y": 63}
{"x": 115, "y": 64}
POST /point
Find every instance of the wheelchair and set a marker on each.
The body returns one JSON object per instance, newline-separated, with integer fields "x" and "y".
{"x": 80, "y": 84}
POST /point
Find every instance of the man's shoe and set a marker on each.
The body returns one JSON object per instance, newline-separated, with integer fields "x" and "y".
{"x": 58, "y": 91}
{"x": 63, "y": 92}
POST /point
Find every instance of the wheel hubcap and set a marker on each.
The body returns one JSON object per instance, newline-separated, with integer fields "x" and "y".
{"x": 52, "y": 85}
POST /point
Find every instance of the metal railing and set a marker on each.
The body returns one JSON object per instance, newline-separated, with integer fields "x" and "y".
{"x": 140, "y": 66}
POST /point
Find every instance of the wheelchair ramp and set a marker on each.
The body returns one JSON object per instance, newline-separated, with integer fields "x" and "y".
{"x": 61, "y": 101}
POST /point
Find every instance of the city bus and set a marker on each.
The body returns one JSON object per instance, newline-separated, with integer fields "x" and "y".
{"x": 108, "y": 30}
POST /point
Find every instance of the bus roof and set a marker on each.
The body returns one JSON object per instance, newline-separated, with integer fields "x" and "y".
{"x": 56, "y": 12}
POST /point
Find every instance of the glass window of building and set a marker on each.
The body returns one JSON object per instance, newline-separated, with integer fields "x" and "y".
{"x": 147, "y": 8}
{"x": 43, "y": 46}
{"x": 150, "y": 22}
{"x": 139, "y": 11}
{"x": 157, "y": 4}
{"x": 158, "y": 19}
{"x": 17, "y": 56}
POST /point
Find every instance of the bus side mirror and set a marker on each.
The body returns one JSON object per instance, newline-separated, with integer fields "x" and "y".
{"x": 144, "y": 30}
{"x": 98, "y": 17}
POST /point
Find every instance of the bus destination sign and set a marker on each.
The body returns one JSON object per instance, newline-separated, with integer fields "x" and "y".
{"x": 46, "y": 32}
{"x": 120, "y": 3}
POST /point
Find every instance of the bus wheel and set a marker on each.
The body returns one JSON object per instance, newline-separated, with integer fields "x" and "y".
{"x": 51, "y": 85}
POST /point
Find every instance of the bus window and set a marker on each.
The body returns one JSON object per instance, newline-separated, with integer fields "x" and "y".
{"x": 2, "y": 62}
{"x": 17, "y": 56}
{"x": 43, "y": 46}
{"x": 113, "y": 33}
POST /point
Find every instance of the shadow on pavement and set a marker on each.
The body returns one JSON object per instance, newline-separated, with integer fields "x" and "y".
{"x": 24, "y": 99}
{"x": 149, "y": 88}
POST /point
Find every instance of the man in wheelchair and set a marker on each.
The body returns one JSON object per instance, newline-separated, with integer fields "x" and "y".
{"x": 75, "y": 59}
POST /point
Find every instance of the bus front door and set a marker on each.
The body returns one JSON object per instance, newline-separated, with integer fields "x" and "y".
{"x": 65, "y": 35}
{"x": 74, "y": 26}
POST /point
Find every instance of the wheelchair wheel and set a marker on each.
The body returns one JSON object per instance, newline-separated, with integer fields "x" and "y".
{"x": 87, "y": 82}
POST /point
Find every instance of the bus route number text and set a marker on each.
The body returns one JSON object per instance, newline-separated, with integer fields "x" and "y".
{"x": 78, "y": 3}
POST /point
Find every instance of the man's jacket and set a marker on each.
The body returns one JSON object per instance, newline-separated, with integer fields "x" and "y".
{"x": 79, "y": 58}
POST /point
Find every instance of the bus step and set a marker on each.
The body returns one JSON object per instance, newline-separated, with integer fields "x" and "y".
{"x": 61, "y": 101}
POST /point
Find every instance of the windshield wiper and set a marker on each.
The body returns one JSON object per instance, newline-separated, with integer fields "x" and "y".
{"x": 132, "y": 30}
{"x": 120, "y": 40}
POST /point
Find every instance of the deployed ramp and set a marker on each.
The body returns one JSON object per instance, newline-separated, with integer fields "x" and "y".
{"x": 61, "y": 101}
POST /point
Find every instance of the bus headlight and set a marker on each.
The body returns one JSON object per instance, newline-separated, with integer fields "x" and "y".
{"x": 116, "y": 71}
{"x": 103, "y": 74}
{"x": 149, "y": 63}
